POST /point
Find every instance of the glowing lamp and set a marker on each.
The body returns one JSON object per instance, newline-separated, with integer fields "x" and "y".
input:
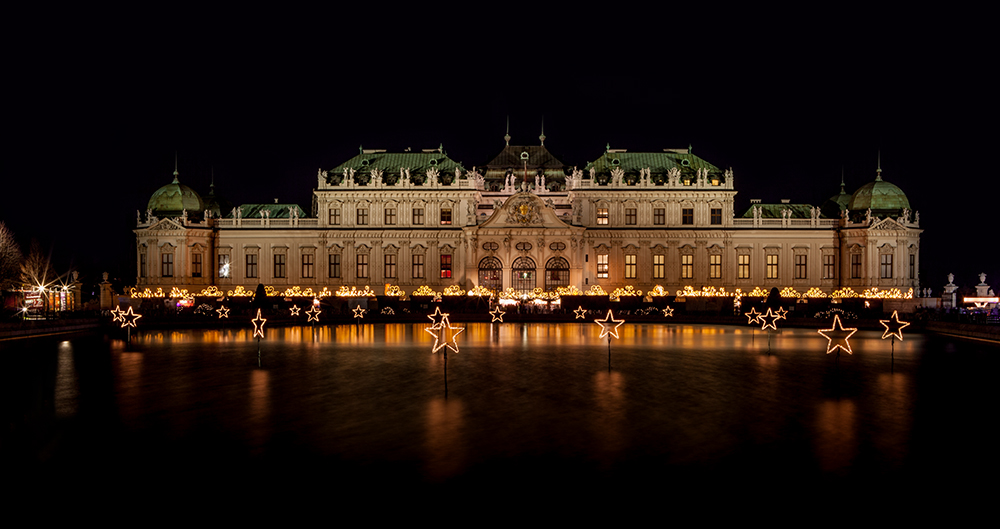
{"x": 769, "y": 319}
{"x": 893, "y": 327}
{"x": 129, "y": 318}
{"x": 668, "y": 312}
{"x": 609, "y": 325}
{"x": 116, "y": 313}
{"x": 580, "y": 313}
{"x": 444, "y": 334}
{"x": 359, "y": 312}
{"x": 258, "y": 325}
{"x": 313, "y": 314}
{"x": 294, "y": 310}
{"x": 753, "y": 317}
{"x": 223, "y": 312}
{"x": 497, "y": 315}
{"x": 837, "y": 336}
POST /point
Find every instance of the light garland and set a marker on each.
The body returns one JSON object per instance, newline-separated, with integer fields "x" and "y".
{"x": 657, "y": 292}
{"x": 570, "y": 290}
{"x": 596, "y": 290}
{"x": 627, "y": 291}
{"x": 425, "y": 290}
{"x": 240, "y": 292}
{"x": 211, "y": 291}
{"x": 814, "y": 292}
{"x": 388, "y": 311}
{"x": 394, "y": 291}
{"x": 789, "y": 292}
{"x": 345, "y": 292}
{"x": 453, "y": 290}
{"x": 846, "y": 292}
{"x": 133, "y": 293}
{"x": 480, "y": 291}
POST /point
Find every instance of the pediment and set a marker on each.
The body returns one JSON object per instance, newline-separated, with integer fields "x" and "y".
{"x": 166, "y": 224}
{"x": 887, "y": 224}
{"x": 524, "y": 210}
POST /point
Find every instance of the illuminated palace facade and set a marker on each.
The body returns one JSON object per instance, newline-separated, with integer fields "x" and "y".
{"x": 524, "y": 222}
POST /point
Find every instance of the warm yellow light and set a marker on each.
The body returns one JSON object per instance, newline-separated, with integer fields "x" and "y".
{"x": 753, "y": 317}
{"x": 480, "y": 291}
{"x": 129, "y": 318}
{"x": 313, "y": 313}
{"x": 580, "y": 312}
{"x": 609, "y": 326}
{"x": 425, "y": 290}
{"x": 769, "y": 319}
{"x": 223, "y": 312}
{"x": 893, "y": 327}
{"x": 116, "y": 313}
{"x": 596, "y": 290}
{"x": 497, "y": 315}
{"x": 294, "y": 310}
{"x": 258, "y": 325}
{"x": 668, "y": 312}
{"x": 443, "y": 332}
{"x": 837, "y": 336}
{"x": 453, "y": 290}
{"x": 657, "y": 292}
{"x": 359, "y": 312}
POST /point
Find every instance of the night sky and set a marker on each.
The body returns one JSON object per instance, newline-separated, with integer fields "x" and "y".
{"x": 96, "y": 109}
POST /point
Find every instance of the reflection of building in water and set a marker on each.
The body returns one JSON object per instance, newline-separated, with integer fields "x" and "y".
{"x": 526, "y": 221}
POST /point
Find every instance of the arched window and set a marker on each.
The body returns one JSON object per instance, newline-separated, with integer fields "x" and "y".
{"x": 523, "y": 275}
{"x": 556, "y": 273}
{"x": 491, "y": 274}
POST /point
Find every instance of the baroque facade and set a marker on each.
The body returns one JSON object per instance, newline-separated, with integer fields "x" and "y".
{"x": 524, "y": 221}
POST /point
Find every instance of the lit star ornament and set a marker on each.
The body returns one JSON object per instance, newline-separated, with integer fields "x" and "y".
{"x": 444, "y": 335}
{"x": 116, "y": 314}
{"x": 313, "y": 314}
{"x": 294, "y": 310}
{"x": 781, "y": 313}
{"x": 837, "y": 336}
{"x": 753, "y": 317}
{"x": 258, "y": 325}
{"x": 359, "y": 312}
{"x": 129, "y": 318}
{"x": 668, "y": 312}
{"x": 580, "y": 313}
{"x": 609, "y": 326}
{"x": 768, "y": 319}
{"x": 438, "y": 317}
{"x": 223, "y": 312}
{"x": 893, "y": 327}
{"x": 497, "y": 315}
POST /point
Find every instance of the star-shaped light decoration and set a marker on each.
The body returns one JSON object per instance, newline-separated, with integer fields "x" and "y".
{"x": 609, "y": 325}
{"x": 768, "y": 319}
{"x": 129, "y": 318}
{"x": 444, "y": 335}
{"x": 580, "y": 313}
{"x": 497, "y": 315}
{"x": 295, "y": 310}
{"x": 313, "y": 314}
{"x": 668, "y": 312}
{"x": 223, "y": 312}
{"x": 753, "y": 317}
{"x": 388, "y": 311}
{"x": 781, "y": 313}
{"x": 837, "y": 336}
{"x": 116, "y": 314}
{"x": 438, "y": 317}
{"x": 258, "y": 325}
{"x": 893, "y": 327}
{"x": 359, "y": 312}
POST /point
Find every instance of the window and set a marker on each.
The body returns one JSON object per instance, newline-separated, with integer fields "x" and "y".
{"x": 418, "y": 216}
{"x": 659, "y": 262}
{"x": 491, "y": 246}
{"x": 335, "y": 265}
{"x": 557, "y": 246}
{"x": 142, "y": 265}
{"x": 523, "y": 275}
{"x": 715, "y": 266}
{"x": 224, "y": 270}
{"x": 630, "y": 216}
{"x": 523, "y": 246}
{"x": 743, "y": 266}
{"x": 829, "y": 267}
{"x": 772, "y": 266}
{"x": 362, "y": 264}
{"x": 800, "y": 267}
{"x": 602, "y": 215}
{"x": 602, "y": 265}
{"x": 445, "y": 266}
{"x": 659, "y": 216}
{"x": 196, "y": 265}
{"x": 390, "y": 216}
{"x": 167, "y": 265}
{"x": 446, "y": 216}
{"x": 251, "y": 265}
{"x": 886, "y": 266}
{"x": 687, "y": 216}
{"x": 717, "y": 216}
{"x": 307, "y": 265}
{"x": 687, "y": 266}
{"x": 556, "y": 273}
{"x": 279, "y": 265}
{"x": 913, "y": 266}
{"x": 390, "y": 266}
{"x": 491, "y": 273}
{"x": 418, "y": 266}
{"x": 335, "y": 216}
{"x": 362, "y": 216}
{"x": 630, "y": 266}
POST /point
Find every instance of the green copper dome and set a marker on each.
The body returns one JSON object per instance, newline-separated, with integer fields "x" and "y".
{"x": 836, "y": 204}
{"x": 880, "y": 196}
{"x": 172, "y": 199}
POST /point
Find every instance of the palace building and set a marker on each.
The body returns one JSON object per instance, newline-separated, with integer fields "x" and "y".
{"x": 526, "y": 221}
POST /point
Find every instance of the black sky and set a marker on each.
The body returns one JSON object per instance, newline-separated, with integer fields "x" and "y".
{"x": 97, "y": 107}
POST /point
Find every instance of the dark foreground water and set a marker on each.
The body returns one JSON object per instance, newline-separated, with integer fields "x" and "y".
{"x": 687, "y": 413}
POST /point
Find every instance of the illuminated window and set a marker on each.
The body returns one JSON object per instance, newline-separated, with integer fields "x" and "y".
{"x": 446, "y": 216}
{"x": 630, "y": 266}
{"x": 335, "y": 266}
{"x": 335, "y": 216}
{"x": 556, "y": 273}
{"x": 913, "y": 266}
{"x": 602, "y": 215}
{"x": 390, "y": 216}
{"x": 602, "y": 265}
{"x": 279, "y": 265}
{"x": 167, "y": 265}
{"x": 224, "y": 270}
{"x": 418, "y": 266}
{"x": 886, "y": 266}
{"x": 390, "y": 266}
{"x": 196, "y": 265}
{"x": 687, "y": 266}
{"x": 717, "y": 216}
{"x": 362, "y": 216}
{"x": 772, "y": 266}
{"x": 251, "y": 265}
{"x": 142, "y": 265}
{"x": 630, "y": 216}
{"x": 659, "y": 267}
{"x": 743, "y": 266}
{"x": 445, "y": 266}
{"x": 659, "y": 216}
{"x": 687, "y": 216}
{"x": 856, "y": 266}
{"x": 418, "y": 216}
{"x": 715, "y": 266}
{"x": 800, "y": 267}
{"x": 361, "y": 260}
{"x": 829, "y": 267}
{"x": 307, "y": 265}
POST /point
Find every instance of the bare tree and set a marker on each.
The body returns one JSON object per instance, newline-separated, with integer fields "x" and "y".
{"x": 35, "y": 268}
{"x": 10, "y": 258}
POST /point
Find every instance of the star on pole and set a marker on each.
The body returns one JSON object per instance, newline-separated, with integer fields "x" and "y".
{"x": 781, "y": 313}
{"x": 359, "y": 312}
{"x": 580, "y": 313}
{"x": 258, "y": 325}
{"x": 295, "y": 310}
{"x": 438, "y": 317}
{"x": 129, "y": 318}
{"x": 116, "y": 314}
{"x": 313, "y": 314}
{"x": 668, "y": 312}
{"x": 753, "y": 317}
{"x": 444, "y": 335}
{"x": 893, "y": 327}
{"x": 223, "y": 312}
{"x": 768, "y": 319}
{"x": 609, "y": 325}
{"x": 837, "y": 336}
{"x": 497, "y": 315}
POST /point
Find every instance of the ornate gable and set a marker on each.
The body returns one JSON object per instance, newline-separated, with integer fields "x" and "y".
{"x": 886, "y": 224}
{"x": 166, "y": 224}
{"x": 524, "y": 210}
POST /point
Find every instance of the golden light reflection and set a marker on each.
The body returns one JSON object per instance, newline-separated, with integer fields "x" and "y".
{"x": 444, "y": 444}
{"x": 610, "y": 420}
{"x": 836, "y": 434}
{"x": 260, "y": 408}
{"x": 67, "y": 391}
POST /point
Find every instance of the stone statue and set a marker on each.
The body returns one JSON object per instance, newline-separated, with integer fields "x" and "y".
{"x": 905, "y": 217}
{"x": 208, "y": 214}
{"x": 868, "y": 216}
{"x": 104, "y": 275}
{"x": 916, "y": 218}
{"x": 593, "y": 173}
{"x": 506, "y": 243}
{"x": 844, "y": 214}
{"x": 138, "y": 217}
{"x": 951, "y": 279}
{"x": 982, "y": 279}
{"x": 537, "y": 185}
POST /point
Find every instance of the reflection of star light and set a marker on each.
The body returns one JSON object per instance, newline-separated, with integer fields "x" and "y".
{"x": 444, "y": 335}
{"x": 128, "y": 318}
{"x": 223, "y": 312}
{"x": 438, "y": 317}
{"x": 295, "y": 310}
{"x": 609, "y": 325}
{"x": 837, "y": 336}
{"x": 753, "y": 317}
{"x": 668, "y": 312}
{"x": 893, "y": 327}
{"x": 768, "y": 319}
{"x": 116, "y": 314}
{"x": 497, "y": 315}
{"x": 313, "y": 314}
{"x": 580, "y": 313}
{"x": 359, "y": 312}
{"x": 258, "y": 325}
